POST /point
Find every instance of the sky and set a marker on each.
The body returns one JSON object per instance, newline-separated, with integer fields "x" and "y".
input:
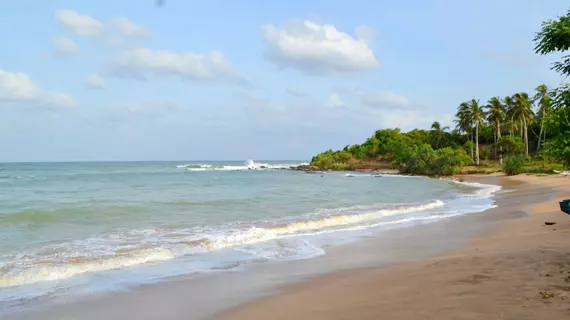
{"x": 250, "y": 79}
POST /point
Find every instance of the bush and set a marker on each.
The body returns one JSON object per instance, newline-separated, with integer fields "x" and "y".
{"x": 335, "y": 160}
{"x": 449, "y": 161}
{"x": 514, "y": 165}
{"x": 485, "y": 154}
{"x": 468, "y": 146}
{"x": 422, "y": 159}
{"x": 509, "y": 145}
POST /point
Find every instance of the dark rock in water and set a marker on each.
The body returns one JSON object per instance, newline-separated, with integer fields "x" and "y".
{"x": 263, "y": 167}
{"x": 307, "y": 168}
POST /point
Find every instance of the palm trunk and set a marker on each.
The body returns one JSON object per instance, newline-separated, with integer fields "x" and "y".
{"x": 471, "y": 140}
{"x": 540, "y": 135}
{"x": 499, "y": 138}
{"x": 477, "y": 142}
{"x": 495, "y": 145}
{"x": 522, "y": 129}
{"x": 525, "y": 138}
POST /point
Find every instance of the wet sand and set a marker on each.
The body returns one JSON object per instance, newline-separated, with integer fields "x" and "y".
{"x": 518, "y": 269}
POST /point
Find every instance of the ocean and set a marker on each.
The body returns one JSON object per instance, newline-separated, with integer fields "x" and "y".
{"x": 78, "y": 228}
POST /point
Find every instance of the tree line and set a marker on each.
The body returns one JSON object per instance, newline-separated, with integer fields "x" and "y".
{"x": 516, "y": 127}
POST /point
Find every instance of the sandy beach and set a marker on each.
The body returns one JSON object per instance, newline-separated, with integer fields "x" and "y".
{"x": 519, "y": 269}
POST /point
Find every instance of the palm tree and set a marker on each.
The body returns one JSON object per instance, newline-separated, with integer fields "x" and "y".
{"x": 509, "y": 105}
{"x": 464, "y": 123}
{"x": 544, "y": 101}
{"x": 470, "y": 115}
{"x": 477, "y": 117}
{"x": 496, "y": 115}
{"x": 438, "y": 132}
{"x": 522, "y": 112}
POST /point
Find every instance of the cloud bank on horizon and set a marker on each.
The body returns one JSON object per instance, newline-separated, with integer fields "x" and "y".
{"x": 222, "y": 80}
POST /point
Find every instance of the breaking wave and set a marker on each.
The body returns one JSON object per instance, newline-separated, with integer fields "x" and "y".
{"x": 135, "y": 247}
{"x": 248, "y": 165}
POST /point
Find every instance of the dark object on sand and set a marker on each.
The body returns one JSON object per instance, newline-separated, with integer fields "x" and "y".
{"x": 549, "y": 223}
{"x": 565, "y": 206}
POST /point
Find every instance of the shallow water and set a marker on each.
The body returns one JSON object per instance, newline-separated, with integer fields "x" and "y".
{"x": 84, "y": 227}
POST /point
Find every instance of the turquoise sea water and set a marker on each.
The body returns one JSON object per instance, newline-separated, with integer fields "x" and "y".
{"x": 75, "y": 227}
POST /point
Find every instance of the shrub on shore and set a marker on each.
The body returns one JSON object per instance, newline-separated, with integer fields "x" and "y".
{"x": 514, "y": 165}
{"x": 422, "y": 159}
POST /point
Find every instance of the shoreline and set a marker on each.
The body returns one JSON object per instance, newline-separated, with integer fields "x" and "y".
{"x": 202, "y": 296}
{"x": 519, "y": 269}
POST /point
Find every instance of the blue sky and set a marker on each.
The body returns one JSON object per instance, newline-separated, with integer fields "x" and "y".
{"x": 221, "y": 79}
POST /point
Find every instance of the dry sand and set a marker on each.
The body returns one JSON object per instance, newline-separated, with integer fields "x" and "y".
{"x": 518, "y": 270}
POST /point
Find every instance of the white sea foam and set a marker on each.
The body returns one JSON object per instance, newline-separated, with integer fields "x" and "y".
{"x": 127, "y": 248}
{"x": 481, "y": 190}
{"x": 136, "y": 247}
{"x": 248, "y": 165}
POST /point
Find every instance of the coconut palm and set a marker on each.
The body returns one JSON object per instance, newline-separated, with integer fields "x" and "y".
{"x": 438, "y": 133}
{"x": 496, "y": 115}
{"x": 522, "y": 112}
{"x": 544, "y": 102}
{"x": 509, "y": 106}
{"x": 464, "y": 123}
{"x": 477, "y": 117}
{"x": 469, "y": 116}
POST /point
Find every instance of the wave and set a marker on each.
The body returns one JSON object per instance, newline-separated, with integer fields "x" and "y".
{"x": 480, "y": 189}
{"x": 248, "y": 165}
{"x": 281, "y": 239}
{"x": 136, "y": 247}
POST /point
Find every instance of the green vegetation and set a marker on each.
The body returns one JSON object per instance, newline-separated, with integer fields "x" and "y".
{"x": 514, "y": 165}
{"x": 555, "y": 38}
{"x": 513, "y": 127}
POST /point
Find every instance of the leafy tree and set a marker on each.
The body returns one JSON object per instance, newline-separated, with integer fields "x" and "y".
{"x": 555, "y": 37}
{"x": 559, "y": 125}
{"x": 384, "y": 138}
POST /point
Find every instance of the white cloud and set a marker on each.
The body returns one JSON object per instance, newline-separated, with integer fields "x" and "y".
{"x": 383, "y": 99}
{"x": 138, "y": 63}
{"x": 317, "y": 49}
{"x": 85, "y": 26}
{"x": 365, "y": 34}
{"x": 94, "y": 81}
{"x": 64, "y": 46}
{"x": 127, "y": 28}
{"x": 80, "y": 25}
{"x": 19, "y": 87}
{"x": 335, "y": 101}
